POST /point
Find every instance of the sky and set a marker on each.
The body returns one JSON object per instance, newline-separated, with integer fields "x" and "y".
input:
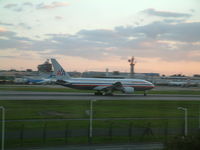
{"x": 93, "y": 35}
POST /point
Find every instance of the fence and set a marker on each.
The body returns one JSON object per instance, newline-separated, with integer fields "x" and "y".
{"x": 109, "y": 133}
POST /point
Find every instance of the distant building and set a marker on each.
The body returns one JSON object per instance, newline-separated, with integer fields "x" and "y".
{"x": 29, "y": 70}
{"x": 6, "y": 79}
{"x": 45, "y": 67}
{"x": 93, "y": 74}
{"x": 74, "y": 74}
{"x": 196, "y": 75}
{"x": 117, "y": 74}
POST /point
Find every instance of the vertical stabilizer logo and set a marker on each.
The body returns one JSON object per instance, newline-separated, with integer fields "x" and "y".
{"x": 60, "y": 72}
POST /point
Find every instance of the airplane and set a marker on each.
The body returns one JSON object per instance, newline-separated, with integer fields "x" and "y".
{"x": 39, "y": 79}
{"x": 178, "y": 83}
{"x": 102, "y": 86}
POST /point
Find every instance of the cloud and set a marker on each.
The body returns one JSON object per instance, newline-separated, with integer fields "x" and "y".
{"x": 11, "y": 5}
{"x": 154, "y": 12}
{"x": 52, "y": 5}
{"x": 25, "y": 26}
{"x": 14, "y": 7}
{"x": 21, "y": 25}
{"x": 58, "y": 17}
{"x": 192, "y": 10}
{"x": 20, "y": 9}
{"x": 169, "y": 42}
{"x": 11, "y": 40}
{"x": 28, "y": 4}
{"x": 187, "y": 32}
{"x": 6, "y": 24}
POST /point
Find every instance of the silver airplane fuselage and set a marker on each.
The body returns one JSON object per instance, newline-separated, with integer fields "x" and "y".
{"x": 91, "y": 83}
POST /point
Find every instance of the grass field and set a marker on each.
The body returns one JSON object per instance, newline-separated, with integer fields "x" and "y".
{"x": 59, "y": 109}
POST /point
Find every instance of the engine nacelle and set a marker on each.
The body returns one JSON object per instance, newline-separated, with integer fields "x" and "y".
{"x": 128, "y": 90}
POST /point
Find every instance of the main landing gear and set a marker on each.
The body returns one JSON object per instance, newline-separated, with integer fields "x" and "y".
{"x": 145, "y": 93}
{"x": 105, "y": 93}
{"x": 98, "y": 93}
{"x": 110, "y": 93}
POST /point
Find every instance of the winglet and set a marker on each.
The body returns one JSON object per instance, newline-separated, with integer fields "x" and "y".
{"x": 59, "y": 71}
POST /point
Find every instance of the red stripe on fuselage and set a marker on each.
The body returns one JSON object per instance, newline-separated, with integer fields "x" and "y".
{"x": 110, "y": 85}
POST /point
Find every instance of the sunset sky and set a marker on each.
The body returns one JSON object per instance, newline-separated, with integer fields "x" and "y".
{"x": 85, "y": 35}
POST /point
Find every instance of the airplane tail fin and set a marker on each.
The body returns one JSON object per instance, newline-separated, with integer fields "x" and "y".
{"x": 59, "y": 71}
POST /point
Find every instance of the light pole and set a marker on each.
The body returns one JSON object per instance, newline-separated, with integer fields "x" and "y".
{"x": 91, "y": 117}
{"x": 186, "y": 119}
{"x": 199, "y": 117}
{"x": 3, "y": 127}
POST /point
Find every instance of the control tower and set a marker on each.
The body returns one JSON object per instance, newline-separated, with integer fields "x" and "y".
{"x": 46, "y": 67}
{"x": 132, "y": 66}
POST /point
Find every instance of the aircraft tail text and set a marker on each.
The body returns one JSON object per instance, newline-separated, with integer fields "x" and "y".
{"x": 59, "y": 71}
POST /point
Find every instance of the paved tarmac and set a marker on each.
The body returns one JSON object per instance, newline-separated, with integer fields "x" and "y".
{"x": 19, "y": 95}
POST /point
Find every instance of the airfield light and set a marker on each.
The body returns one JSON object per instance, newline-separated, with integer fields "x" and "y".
{"x": 186, "y": 119}
{"x": 3, "y": 127}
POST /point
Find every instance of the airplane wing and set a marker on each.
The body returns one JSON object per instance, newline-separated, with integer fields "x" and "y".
{"x": 117, "y": 86}
{"x": 62, "y": 82}
{"x": 44, "y": 81}
{"x": 47, "y": 81}
{"x": 100, "y": 88}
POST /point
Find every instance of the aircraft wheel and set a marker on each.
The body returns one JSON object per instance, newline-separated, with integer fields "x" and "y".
{"x": 98, "y": 93}
{"x": 145, "y": 93}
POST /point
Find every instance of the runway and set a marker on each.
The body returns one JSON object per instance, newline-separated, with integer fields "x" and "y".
{"x": 19, "y": 95}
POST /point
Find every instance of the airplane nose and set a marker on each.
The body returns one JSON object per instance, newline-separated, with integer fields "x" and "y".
{"x": 152, "y": 85}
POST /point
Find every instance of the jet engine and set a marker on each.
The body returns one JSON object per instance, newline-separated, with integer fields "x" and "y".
{"x": 128, "y": 90}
